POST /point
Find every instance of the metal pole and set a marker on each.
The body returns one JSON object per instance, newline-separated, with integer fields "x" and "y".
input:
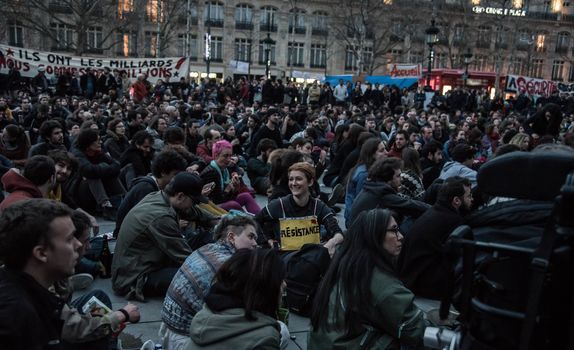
{"x": 158, "y": 39}
{"x": 431, "y": 54}
{"x": 188, "y": 39}
{"x": 208, "y": 58}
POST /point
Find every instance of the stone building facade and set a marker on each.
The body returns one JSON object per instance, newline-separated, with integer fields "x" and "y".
{"x": 528, "y": 37}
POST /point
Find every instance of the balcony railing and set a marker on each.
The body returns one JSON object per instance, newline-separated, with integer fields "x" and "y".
{"x": 395, "y": 38}
{"x": 98, "y": 51}
{"x": 264, "y": 27}
{"x": 297, "y": 30}
{"x": 244, "y": 25}
{"x": 182, "y": 19}
{"x": 295, "y": 64}
{"x": 319, "y": 31}
{"x": 264, "y": 62}
{"x": 501, "y": 46}
{"x": 321, "y": 65}
{"x": 217, "y": 23}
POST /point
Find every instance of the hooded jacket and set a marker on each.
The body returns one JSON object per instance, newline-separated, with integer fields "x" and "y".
{"x": 229, "y": 329}
{"x": 149, "y": 241}
{"x": 19, "y": 187}
{"x": 377, "y": 194}
{"x": 454, "y": 168}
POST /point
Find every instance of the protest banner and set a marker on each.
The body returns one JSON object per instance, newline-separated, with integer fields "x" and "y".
{"x": 397, "y": 70}
{"x": 27, "y": 61}
{"x": 531, "y": 86}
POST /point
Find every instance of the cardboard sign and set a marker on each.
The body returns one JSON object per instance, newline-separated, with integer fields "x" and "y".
{"x": 295, "y": 232}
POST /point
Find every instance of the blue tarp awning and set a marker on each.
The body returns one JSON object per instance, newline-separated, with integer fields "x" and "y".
{"x": 387, "y": 80}
{"x": 381, "y": 79}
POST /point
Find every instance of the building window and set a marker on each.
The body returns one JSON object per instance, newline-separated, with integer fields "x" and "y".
{"x": 217, "y": 49}
{"x": 295, "y": 53}
{"x": 155, "y": 11}
{"x": 350, "y": 58}
{"x": 244, "y": 16}
{"x": 483, "y": 39}
{"x": 515, "y": 67}
{"x": 150, "y": 44}
{"x": 184, "y": 50}
{"x": 557, "y": 70}
{"x": 536, "y": 69}
{"x": 571, "y": 73}
{"x": 64, "y": 35}
{"x": 563, "y": 42}
{"x": 319, "y": 23}
{"x": 415, "y": 57}
{"x": 481, "y": 63}
{"x": 517, "y": 4}
{"x": 540, "y": 42}
{"x": 297, "y": 21}
{"x": 318, "y": 56}
{"x": 262, "y": 57}
{"x": 213, "y": 14}
{"x": 181, "y": 45}
{"x": 268, "y": 19}
{"x": 126, "y": 44}
{"x": 243, "y": 50}
{"x": 15, "y": 34}
{"x": 458, "y": 33}
{"x": 125, "y": 7}
{"x": 94, "y": 38}
{"x": 440, "y": 60}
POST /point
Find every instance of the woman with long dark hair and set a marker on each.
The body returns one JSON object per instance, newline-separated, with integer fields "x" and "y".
{"x": 372, "y": 150}
{"x": 360, "y": 302}
{"x": 240, "y": 311}
{"x": 411, "y": 176}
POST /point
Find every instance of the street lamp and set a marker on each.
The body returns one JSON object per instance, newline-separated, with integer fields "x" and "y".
{"x": 467, "y": 59}
{"x": 431, "y": 38}
{"x": 268, "y": 42}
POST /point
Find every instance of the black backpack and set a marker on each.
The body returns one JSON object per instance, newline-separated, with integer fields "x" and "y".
{"x": 305, "y": 269}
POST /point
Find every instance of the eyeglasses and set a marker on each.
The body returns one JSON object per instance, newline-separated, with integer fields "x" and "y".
{"x": 394, "y": 230}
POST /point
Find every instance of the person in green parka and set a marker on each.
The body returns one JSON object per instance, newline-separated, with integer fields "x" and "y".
{"x": 361, "y": 304}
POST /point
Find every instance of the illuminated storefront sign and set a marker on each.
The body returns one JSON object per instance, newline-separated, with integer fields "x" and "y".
{"x": 499, "y": 11}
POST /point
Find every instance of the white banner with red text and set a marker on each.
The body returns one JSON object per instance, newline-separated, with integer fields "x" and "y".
{"x": 27, "y": 61}
{"x": 530, "y": 86}
{"x": 397, "y": 70}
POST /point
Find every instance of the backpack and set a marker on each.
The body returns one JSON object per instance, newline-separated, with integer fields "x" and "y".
{"x": 305, "y": 269}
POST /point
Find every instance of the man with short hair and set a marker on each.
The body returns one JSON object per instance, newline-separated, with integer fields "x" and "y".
{"x": 36, "y": 181}
{"x": 258, "y": 169}
{"x": 210, "y": 136}
{"x": 52, "y": 134}
{"x": 164, "y": 167}
{"x": 424, "y": 265}
{"x": 381, "y": 190}
{"x": 38, "y": 249}
{"x": 462, "y": 159}
{"x": 431, "y": 162}
{"x": 150, "y": 246}
{"x": 400, "y": 142}
{"x": 341, "y": 93}
{"x": 269, "y": 130}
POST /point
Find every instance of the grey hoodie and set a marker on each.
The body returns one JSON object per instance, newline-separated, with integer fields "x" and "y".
{"x": 454, "y": 168}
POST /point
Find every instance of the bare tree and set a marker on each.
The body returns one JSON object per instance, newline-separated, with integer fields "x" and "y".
{"x": 78, "y": 25}
{"x": 365, "y": 28}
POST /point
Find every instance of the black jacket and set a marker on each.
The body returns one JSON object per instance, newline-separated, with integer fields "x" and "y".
{"x": 29, "y": 313}
{"x": 99, "y": 167}
{"x": 140, "y": 162}
{"x": 141, "y": 187}
{"x": 382, "y": 195}
{"x": 424, "y": 266}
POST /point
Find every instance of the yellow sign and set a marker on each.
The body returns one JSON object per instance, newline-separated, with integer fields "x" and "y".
{"x": 295, "y": 232}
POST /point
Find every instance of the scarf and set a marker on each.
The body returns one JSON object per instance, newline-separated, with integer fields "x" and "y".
{"x": 223, "y": 175}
